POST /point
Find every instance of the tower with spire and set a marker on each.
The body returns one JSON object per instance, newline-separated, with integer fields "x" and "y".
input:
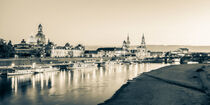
{"x": 143, "y": 43}
{"x": 40, "y": 28}
{"x": 124, "y": 46}
{"x": 142, "y": 50}
{"x": 128, "y": 41}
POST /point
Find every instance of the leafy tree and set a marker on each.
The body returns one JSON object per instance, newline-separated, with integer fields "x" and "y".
{"x": 6, "y": 49}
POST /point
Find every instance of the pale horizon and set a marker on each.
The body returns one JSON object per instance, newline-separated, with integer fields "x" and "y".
{"x": 107, "y": 22}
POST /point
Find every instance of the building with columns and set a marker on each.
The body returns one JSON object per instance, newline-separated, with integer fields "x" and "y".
{"x": 35, "y": 46}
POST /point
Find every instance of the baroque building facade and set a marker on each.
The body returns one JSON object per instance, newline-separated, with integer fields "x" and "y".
{"x": 35, "y": 46}
{"x": 40, "y": 37}
{"x": 142, "y": 49}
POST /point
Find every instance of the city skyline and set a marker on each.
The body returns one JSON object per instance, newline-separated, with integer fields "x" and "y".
{"x": 107, "y": 23}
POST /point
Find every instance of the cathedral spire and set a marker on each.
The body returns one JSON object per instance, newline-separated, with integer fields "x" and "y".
{"x": 143, "y": 43}
{"x": 128, "y": 37}
{"x": 40, "y": 28}
{"x": 128, "y": 41}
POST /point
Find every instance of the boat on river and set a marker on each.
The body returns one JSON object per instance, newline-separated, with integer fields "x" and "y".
{"x": 82, "y": 65}
{"x": 42, "y": 69}
{"x": 20, "y": 70}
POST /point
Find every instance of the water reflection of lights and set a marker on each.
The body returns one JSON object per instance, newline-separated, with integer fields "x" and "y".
{"x": 33, "y": 82}
{"x": 94, "y": 74}
{"x": 75, "y": 77}
{"x": 14, "y": 84}
{"x": 88, "y": 76}
{"x": 136, "y": 72}
{"x": 41, "y": 79}
{"x": 61, "y": 79}
{"x": 101, "y": 72}
{"x": 69, "y": 78}
{"x": 73, "y": 83}
{"x": 125, "y": 68}
{"x": 120, "y": 68}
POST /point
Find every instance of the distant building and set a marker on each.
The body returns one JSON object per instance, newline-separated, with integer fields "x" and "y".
{"x": 48, "y": 48}
{"x": 121, "y": 52}
{"x": 78, "y": 51}
{"x": 23, "y": 49}
{"x": 112, "y": 52}
{"x": 155, "y": 54}
{"x": 106, "y": 51}
{"x": 91, "y": 53}
{"x": 36, "y": 46}
{"x": 68, "y": 51}
{"x": 142, "y": 50}
{"x": 32, "y": 40}
{"x": 40, "y": 37}
{"x": 61, "y": 51}
{"x": 180, "y": 52}
{"x": 126, "y": 44}
{"x": 184, "y": 50}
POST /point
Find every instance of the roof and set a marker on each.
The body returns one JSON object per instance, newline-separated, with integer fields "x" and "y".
{"x": 91, "y": 52}
{"x": 107, "y": 49}
{"x": 118, "y": 49}
{"x": 183, "y": 48}
{"x": 59, "y": 47}
{"x": 141, "y": 47}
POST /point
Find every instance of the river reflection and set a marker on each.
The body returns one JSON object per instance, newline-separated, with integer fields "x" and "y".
{"x": 78, "y": 87}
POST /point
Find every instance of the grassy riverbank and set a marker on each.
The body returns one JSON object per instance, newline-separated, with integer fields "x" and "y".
{"x": 170, "y": 85}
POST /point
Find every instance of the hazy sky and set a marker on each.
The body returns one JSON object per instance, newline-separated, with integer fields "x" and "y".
{"x": 107, "y": 22}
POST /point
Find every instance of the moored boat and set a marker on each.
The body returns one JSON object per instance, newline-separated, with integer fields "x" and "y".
{"x": 28, "y": 70}
{"x": 81, "y": 65}
{"x": 22, "y": 71}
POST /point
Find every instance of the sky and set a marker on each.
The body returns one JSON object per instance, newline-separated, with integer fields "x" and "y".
{"x": 108, "y": 22}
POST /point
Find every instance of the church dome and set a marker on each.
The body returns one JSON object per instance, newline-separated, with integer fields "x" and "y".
{"x": 40, "y": 37}
{"x": 31, "y": 40}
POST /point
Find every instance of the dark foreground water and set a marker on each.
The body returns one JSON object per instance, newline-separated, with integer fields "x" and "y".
{"x": 79, "y": 87}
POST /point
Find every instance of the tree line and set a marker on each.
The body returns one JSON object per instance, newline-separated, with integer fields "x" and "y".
{"x": 6, "y": 49}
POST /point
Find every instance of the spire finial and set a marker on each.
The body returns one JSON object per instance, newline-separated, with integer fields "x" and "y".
{"x": 40, "y": 28}
{"x": 143, "y": 40}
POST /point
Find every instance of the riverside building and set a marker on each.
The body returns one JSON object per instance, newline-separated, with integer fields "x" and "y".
{"x": 142, "y": 49}
{"x": 34, "y": 47}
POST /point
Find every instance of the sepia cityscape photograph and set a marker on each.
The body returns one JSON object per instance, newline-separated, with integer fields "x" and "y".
{"x": 104, "y": 52}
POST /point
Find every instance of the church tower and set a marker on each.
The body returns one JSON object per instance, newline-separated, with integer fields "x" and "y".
{"x": 124, "y": 46}
{"x": 40, "y": 37}
{"x": 143, "y": 43}
{"x": 128, "y": 41}
{"x": 40, "y": 28}
{"x": 141, "y": 50}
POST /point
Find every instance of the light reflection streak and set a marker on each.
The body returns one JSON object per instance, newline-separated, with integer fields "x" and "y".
{"x": 33, "y": 82}
{"x": 101, "y": 72}
{"x": 69, "y": 78}
{"x": 42, "y": 81}
{"x": 16, "y": 85}
{"x": 94, "y": 74}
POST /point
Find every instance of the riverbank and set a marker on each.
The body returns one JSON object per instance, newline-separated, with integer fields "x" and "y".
{"x": 29, "y": 61}
{"x": 170, "y": 85}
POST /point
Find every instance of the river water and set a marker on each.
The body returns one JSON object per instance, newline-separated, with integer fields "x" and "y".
{"x": 78, "y": 87}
